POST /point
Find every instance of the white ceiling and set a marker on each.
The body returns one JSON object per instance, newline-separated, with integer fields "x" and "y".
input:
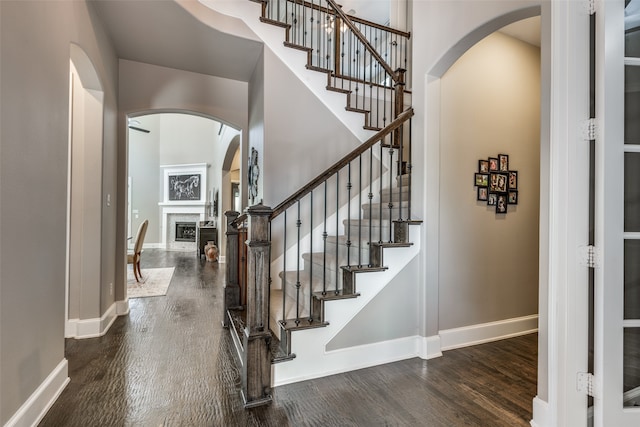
{"x": 163, "y": 33}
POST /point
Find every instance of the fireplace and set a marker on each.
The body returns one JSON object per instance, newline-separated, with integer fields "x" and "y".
{"x": 185, "y": 232}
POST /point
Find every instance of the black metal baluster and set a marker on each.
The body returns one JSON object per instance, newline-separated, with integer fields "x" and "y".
{"x": 298, "y": 224}
{"x": 360, "y": 211}
{"x": 380, "y": 204}
{"x": 304, "y": 25}
{"x": 370, "y": 195}
{"x": 284, "y": 274}
{"x": 409, "y": 169}
{"x": 349, "y": 215}
{"x": 324, "y": 238}
{"x": 400, "y": 170}
{"x": 311, "y": 32}
{"x": 391, "y": 151}
{"x": 311, "y": 252}
{"x": 337, "y": 227}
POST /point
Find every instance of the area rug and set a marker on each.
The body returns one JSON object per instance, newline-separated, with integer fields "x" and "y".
{"x": 154, "y": 282}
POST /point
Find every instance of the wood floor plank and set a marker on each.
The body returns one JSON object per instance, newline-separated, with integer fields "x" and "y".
{"x": 170, "y": 363}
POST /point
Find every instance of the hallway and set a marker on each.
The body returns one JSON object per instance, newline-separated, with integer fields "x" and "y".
{"x": 169, "y": 363}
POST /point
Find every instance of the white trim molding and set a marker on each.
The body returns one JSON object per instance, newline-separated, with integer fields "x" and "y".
{"x": 362, "y": 356}
{"x": 487, "y": 332}
{"x": 92, "y": 328}
{"x": 34, "y": 409}
{"x": 540, "y": 413}
{"x": 430, "y": 347}
{"x": 122, "y": 307}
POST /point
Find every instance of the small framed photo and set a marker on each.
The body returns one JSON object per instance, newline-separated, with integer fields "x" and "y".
{"x": 503, "y": 160}
{"x": 483, "y": 166}
{"x": 502, "y": 182}
{"x": 493, "y": 164}
{"x": 512, "y": 197}
{"x": 501, "y": 204}
{"x": 482, "y": 179}
{"x": 513, "y": 180}
{"x": 498, "y": 182}
{"x": 492, "y": 200}
{"x": 483, "y": 193}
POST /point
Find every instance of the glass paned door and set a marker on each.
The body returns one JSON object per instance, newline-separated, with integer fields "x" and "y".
{"x": 617, "y": 341}
{"x": 631, "y": 334}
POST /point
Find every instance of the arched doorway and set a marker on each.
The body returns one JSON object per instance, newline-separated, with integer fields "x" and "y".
{"x": 161, "y": 142}
{"x": 84, "y": 204}
{"x": 435, "y": 191}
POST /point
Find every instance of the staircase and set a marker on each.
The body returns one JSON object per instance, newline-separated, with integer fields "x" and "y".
{"x": 337, "y": 242}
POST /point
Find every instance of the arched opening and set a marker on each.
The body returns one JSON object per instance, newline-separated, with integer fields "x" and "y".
{"x": 165, "y": 146}
{"x": 84, "y": 204}
{"x": 490, "y": 109}
{"x": 461, "y": 156}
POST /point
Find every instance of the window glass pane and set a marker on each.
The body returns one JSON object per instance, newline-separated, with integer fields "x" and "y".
{"x": 632, "y": 28}
{"x": 632, "y": 105}
{"x": 632, "y": 279}
{"x": 631, "y": 367}
{"x": 632, "y": 192}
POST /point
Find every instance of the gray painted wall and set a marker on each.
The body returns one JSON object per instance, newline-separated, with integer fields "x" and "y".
{"x": 35, "y": 39}
{"x": 302, "y": 137}
{"x": 392, "y": 314}
{"x": 489, "y": 262}
{"x": 144, "y": 170}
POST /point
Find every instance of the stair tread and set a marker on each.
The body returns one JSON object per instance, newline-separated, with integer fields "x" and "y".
{"x": 364, "y": 269}
{"x": 274, "y": 22}
{"x": 356, "y": 110}
{"x": 290, "y": 324}
{"x": 338, "y": 89}
{"x": 315, "y": 68}
{"x": 392, "y": 244}
{"x": 331, "y": 295}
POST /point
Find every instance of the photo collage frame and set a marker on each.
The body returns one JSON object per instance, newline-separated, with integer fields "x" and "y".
{"x": 496, "y": 183}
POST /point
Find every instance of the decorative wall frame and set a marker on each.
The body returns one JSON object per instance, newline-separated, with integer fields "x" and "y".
{"x": 253, "y": 174}
{"x": 496, "y": 183}
{"x": 185, "y": 186}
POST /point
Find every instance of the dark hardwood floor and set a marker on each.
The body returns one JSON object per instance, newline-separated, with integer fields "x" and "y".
{"x": 169, "y": 363}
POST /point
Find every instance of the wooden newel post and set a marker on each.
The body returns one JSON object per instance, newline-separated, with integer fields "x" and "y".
{"x": 399, "y": 105}
{"x": 232, "y": 286}
{"x": 256, "y": 378}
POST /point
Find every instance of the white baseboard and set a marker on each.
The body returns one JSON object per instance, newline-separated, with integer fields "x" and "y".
{"x": 487, "y": 332}
{"x": 122, "y": 307}
{"x": 540, "y": 413}
{"x": 430, "y": 347}
{"x": 360, "y": 357}
{"x": 34, "y": 409}
{"x": 91, "y": 328}
{"x": 153, "y": 246}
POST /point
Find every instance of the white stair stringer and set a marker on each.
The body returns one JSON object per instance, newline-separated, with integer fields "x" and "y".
{"x": 314, "y": 361}
{"x": 296, "y": 60}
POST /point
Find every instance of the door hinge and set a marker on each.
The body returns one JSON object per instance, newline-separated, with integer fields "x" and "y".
{"x": 586, "y": 383}
{"x": 589, "y": 130}
{"x": 589, "y": 256}
{"x": 591, "y": 6}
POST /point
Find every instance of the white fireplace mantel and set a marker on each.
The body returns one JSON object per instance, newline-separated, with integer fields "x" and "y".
{"x": 182, "y": 207}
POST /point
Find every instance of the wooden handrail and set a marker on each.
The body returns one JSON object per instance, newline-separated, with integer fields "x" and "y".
{"x": 242, "y": 218}
{"x": 394, "y": 125}
{"x": 347, "y": 21}
{"x": 352, "y": 18}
